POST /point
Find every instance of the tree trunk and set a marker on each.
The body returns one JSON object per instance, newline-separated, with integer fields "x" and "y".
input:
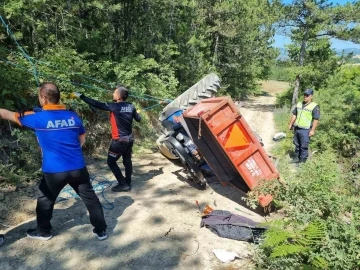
{"x": 296, "y": 92}
{"x": 301, "y": 63}
{"x": 171, "y": 19}
{"x": 216, "y": 48}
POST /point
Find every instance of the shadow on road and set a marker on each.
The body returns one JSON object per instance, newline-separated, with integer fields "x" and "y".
{"x": 234, "y": 194}
{"x": 75, "y": 215}
{"x": 77, "y": 248}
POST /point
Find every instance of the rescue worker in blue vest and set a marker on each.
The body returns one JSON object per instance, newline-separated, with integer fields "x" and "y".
{"x": 304, "y": 121}
{"x": 122, "y": 114}
{"x": 60, "y": 134}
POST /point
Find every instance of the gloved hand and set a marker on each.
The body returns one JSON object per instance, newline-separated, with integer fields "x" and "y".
{"x": 75, "y": 95}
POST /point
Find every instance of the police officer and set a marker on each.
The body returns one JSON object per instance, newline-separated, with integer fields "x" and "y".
{"x": 122, "y": 114}
{"x": 304, "y": 120}
{"x": 60, "y": 134}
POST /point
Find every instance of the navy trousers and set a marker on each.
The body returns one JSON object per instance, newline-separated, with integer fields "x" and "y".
{"x": 301, "y": 142}
{"x": 116, "y": 150}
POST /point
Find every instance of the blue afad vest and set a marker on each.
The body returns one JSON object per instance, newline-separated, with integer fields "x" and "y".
{"x": 304, "y": 115}
{"x": 58, "y": 131}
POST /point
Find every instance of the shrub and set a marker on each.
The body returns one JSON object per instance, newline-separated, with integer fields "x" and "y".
{"x": 320, "y": 195}
{"x": 20, "y": 156}
{"x": 281, "y": 72}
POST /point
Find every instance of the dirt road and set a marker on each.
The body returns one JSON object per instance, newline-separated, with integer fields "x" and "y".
{"x": 155, "y": 226}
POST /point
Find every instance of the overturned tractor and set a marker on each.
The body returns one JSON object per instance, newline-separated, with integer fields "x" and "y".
{"x": 210, "y": 136}
{"x": 175, "y": 142}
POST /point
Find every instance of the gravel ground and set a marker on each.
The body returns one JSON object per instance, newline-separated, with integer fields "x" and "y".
{"x": 155, "y": 226}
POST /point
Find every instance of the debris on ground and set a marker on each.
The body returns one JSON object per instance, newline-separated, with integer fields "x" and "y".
{"x": 279, "y": 136}
{"x": 225, "y": 256}
{"x": 228, "y": 225}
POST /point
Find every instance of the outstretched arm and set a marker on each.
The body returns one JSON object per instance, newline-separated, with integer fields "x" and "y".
{"x": 8, "y": 115}
{"x": 137, "y": 116}
{"x": 92, "y": 102}
{"x": 97, "y": 104}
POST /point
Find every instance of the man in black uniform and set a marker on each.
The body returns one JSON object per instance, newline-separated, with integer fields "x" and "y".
{"x": 122, "y": 114}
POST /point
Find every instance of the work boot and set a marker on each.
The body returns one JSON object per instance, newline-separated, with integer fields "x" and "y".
{"x": 120, "y": 188}
{"x": 302, "y": 160}
{"x": 35, "y": 234}
{"x": 128, "y": 182}
{"x": 100, "y": 235}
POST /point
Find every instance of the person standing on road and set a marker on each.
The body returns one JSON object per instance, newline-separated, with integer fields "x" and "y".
{"x": 60, "y": 134}
{"x": 122, "y": 114}
{"x": 304, "y": 121}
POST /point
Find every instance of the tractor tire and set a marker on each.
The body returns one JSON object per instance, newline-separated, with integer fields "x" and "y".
{"x": 205, "y": 88}
{"x": 190, "y": 165}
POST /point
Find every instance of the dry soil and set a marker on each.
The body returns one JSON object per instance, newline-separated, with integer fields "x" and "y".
{"x": 155, "y": 226}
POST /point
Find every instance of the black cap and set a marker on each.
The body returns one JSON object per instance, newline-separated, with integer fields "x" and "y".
{"x": 308, "y": 92}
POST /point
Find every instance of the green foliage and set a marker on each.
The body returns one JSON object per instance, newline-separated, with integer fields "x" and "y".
{"x": 281, "y": 118}
{"x": 276, "y": 235}
{"x": 341, "y": 117}
{"x": 20, "y": 156}
{"x": 284, "y": 99}
{"x": 320, "y": 195}
{"x": 287, "y": 250}
{"x": 312, "y": 24}
{"x": 236, "y": 31}
{"x": 340, "y": 114}
{"x": 158, "y": 48}
{"x": 146, "y": 76}
{"x": 281, "y": 72}
{"x": 161, "y": 48}
{"x": 316, "y": 190}
{"x": 283, "y": 242}
{"x": 319, "y": 63}
{"x": 325, "y": 190}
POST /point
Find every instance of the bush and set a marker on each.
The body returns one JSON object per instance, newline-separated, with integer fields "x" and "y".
{"x": 318, "y": 193}
{"x": 281, "y": 72}
{"x": 20, "y": 156}
{"x": 320, "y": 215}
{"x": 340, "y": 113}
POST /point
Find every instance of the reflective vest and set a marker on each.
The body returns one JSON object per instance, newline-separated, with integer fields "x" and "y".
{"x": 304, "y": 115}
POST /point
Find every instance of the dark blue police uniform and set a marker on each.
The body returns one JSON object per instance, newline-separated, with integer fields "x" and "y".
{"x": 301, "y": 138}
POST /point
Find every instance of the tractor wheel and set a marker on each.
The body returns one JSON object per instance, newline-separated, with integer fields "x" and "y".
{"x": 190, "y": 165}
